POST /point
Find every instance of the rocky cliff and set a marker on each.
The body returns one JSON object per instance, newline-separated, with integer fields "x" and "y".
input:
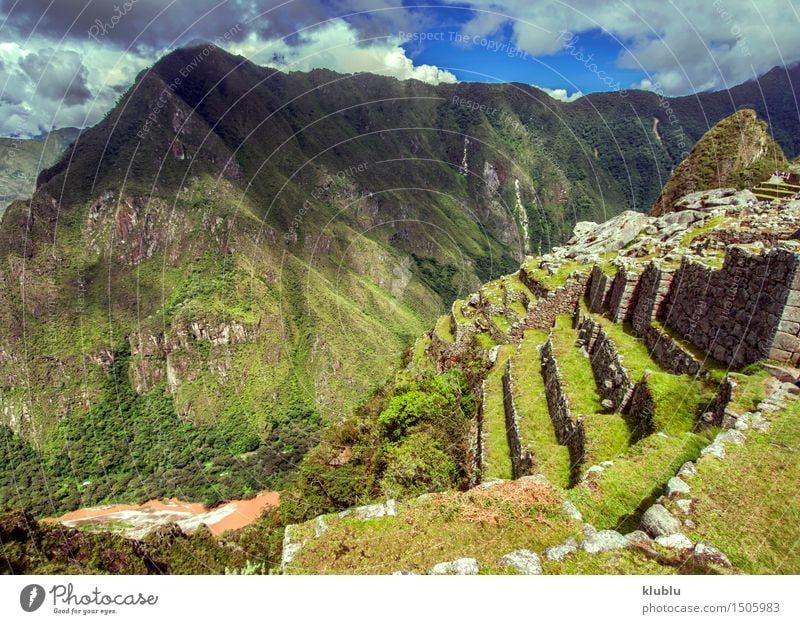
{"x": 739, "y": 152}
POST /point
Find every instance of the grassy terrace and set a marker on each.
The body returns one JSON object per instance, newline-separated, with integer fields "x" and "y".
{"x": 761, "y": 476}
{"x": 607, "y": 435}
{"x": 707, "y": 227}
{"x": 679, "y": 399}
{"x": 536, "y": 428}
{"x": 458, "y": 315}
{"x": 749, "y": 390}
{"x": 717, "y": 369}
{"x": 617, "y": 497}
{"x": 559, "y": 278}
{"x": 496, "y": 454}
{"x": 484, "y": 524}
{"x": 609, "y": 562}
{"x": 492, "y": 292}
{"x": 444, "y": 329}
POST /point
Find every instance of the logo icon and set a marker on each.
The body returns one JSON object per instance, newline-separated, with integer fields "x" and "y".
{"x": 31, "y": 597}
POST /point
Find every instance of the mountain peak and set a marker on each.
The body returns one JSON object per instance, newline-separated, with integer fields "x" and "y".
{"x": 739, "y": 152}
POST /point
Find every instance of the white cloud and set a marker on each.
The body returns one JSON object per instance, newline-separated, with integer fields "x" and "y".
{"x": 42, "y": 87}
{"x": 684, "y": 45}
{"x": 560, "y": 94}
{"x": 336, "y": 46}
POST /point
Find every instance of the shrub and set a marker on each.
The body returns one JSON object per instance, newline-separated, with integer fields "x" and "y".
{"x": 417, "y": 465}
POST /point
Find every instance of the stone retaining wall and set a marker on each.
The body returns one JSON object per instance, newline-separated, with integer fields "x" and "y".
{"x": 522, "y": 460}
{"x": 550, "y": 303}
{"x": 651, "y": 290}
{"x": 599, "y": 289}
{"x": 668, "y": 353}
{"x": 744, "y": 312}
{"x": 641, "y": 409}
{"x": 569, "y": 432}
{"x": 621, "y": 301}
{"x": 612, "y": 379}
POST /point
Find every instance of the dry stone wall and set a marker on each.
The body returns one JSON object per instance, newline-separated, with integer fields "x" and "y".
{"x": 613, "y": 381}
{"x": 521, "y": 459}
{"x": 569, "y": 432}
{"x": 598, "y": 290}
{"x": 550, "y": 303}
{"x": 651, "y": 290}
{"x": 668, "y": 353}
{"x": 744, "y": 312}
{"x": 621, "y": 298}
{"x": 641, "y": 409}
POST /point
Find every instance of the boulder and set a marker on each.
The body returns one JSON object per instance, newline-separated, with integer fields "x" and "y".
{"x": 611, "y": 235}
{"x": 658, "y": 521}
{"x": 571, "y": 510}
{"x": 369, "y": 512}
{"x": 708, "y": 554}
{"x": 524, "y": 561}
{"x": 638, "y": 539}
{"x": 676, "y": 485}
{"x": 604, "y": 540}
{"x": 560, "y": 552}
{"x": 463, "y": 566}
{"x": 676, "y": 540}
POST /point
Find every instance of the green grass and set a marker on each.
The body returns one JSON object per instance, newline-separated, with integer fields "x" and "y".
{"x": 749, "y": 390}
{"x": 576, "y": 370}
{"x": 616, "y": 497}
{"x": 496, "y": 454}
{"x": 501, "y": 322}
{"x": 609, "y": 562}
{"x": 679, "y": 399}
{"x": 707, "y": 227}
{"x": 535, "y": 427}
{"x": 485, "y": 341}
{"x": 559, "y": 278}
{"x": 492, "y": 292}
{"x": 458, "y": 315}
{"x": 484, "y": 524}
{"x": 444, "y": 328}
{"x": 713, "y": 366}
{"x": 607, "y": 435}
{"x": 517, "y": 308}
{"x": 748, "y": 505}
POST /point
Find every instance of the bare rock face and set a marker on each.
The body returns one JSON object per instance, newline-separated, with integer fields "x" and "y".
{"x": 613, "y": 235}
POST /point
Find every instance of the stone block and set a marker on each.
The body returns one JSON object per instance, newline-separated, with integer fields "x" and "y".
{"x": 786, "y": 342}
{"x": 791, "y": 313}
{"x": 789, "y": 327}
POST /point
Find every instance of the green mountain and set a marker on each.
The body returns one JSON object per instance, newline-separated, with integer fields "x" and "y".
{"x": 236, "y": 257}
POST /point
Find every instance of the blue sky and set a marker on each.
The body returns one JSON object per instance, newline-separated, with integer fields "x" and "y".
{"x": 481, "y": 58}
{"x": 65, "y": 63}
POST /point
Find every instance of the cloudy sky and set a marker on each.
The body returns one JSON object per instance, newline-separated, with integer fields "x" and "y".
{"x": 65, "y": 62}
